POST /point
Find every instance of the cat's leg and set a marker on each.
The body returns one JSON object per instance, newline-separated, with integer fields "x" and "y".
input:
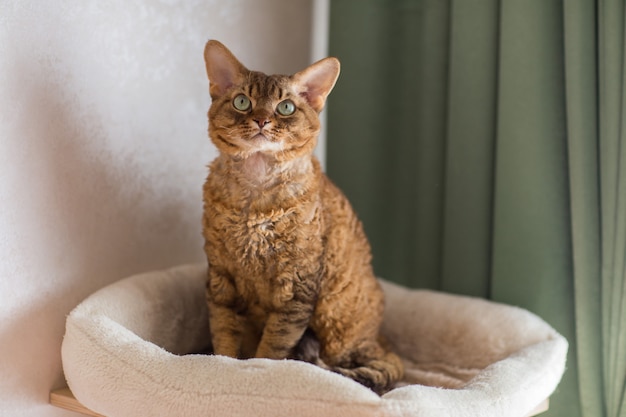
{"x": 347, "y": 329}
{"x": 225, "y": 324}
{"x": 226, "y": 332}
{"x": 294, "y": 302}
{"x": 283, "y": 330}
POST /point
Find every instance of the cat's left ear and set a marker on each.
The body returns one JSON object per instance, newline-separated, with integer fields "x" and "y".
{"x": 316, "y": 81}
{"x": 222, "y": 68}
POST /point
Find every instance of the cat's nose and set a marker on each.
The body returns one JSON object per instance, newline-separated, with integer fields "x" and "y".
{"x": 261, "y": 122}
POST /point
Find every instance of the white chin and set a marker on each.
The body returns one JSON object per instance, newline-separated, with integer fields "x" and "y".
{"x": 261, "y": 144}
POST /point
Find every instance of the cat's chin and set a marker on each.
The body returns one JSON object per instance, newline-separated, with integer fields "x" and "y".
{"x": 244, "y": 149}
{"x": 260, "y": 143}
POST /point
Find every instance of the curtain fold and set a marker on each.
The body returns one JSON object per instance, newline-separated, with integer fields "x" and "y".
{"x": 481, "y": 143}
{"x": 470, "y": 139}
{"x": 612, "y": 200}
{"x": 581, "y": 92}
{"x": 532, "y": 260}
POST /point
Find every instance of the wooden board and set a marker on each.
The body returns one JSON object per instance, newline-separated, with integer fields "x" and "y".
{"x": 541, "y": 408}
{"x": 64, "y": 398}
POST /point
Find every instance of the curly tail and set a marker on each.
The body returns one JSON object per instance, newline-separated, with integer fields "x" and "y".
{"x": 379, "y": 372}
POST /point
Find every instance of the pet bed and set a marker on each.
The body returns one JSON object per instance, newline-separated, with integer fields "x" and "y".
{"x": 126, "y": 352}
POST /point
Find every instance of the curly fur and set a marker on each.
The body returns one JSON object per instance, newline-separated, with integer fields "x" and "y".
{"x": 289, "y": 264}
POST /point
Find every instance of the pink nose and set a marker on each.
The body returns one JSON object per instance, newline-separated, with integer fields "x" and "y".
{"x": 261, "y": 122}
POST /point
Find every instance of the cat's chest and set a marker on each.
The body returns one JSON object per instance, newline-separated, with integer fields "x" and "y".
{"x": 265, "y": 237}
{"x": 265, "y": 234}
{"x": 255, "y": 229}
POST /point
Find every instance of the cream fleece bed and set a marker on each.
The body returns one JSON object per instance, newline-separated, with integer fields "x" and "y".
{"x": 125, "y": 353}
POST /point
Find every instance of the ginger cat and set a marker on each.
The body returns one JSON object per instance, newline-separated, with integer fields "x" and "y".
{"x": 289, "y": 263}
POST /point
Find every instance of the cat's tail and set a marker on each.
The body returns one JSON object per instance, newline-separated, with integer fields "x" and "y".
{"x": 379, "y": 374}
{"x": 379, "y": 371}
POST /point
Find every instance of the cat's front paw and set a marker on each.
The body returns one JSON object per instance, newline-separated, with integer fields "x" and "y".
{"x": 231, "y": 352}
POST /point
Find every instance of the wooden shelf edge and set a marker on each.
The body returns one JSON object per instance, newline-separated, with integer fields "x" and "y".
{"x": 63, "y": 398}
{"x": 541, "y": 408}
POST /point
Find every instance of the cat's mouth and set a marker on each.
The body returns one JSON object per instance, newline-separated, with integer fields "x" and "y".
{"x": 261, "y": 142}
{"x": 261, "y": 139}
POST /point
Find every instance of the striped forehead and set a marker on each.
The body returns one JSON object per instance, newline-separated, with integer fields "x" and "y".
{"x": 261, "y": 85}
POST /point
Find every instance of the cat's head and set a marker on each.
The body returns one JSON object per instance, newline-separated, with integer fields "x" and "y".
{"x": 276, "y": 115}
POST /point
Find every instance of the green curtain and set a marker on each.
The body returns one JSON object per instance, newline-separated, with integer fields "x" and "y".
{"x": 481, "y": 142}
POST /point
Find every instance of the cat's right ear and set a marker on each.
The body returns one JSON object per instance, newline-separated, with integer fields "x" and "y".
{"x": 222, "y": 68}
{"x": 316, "y": 81}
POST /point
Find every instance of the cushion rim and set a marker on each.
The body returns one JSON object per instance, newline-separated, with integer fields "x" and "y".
{"x": 93, "y": 383}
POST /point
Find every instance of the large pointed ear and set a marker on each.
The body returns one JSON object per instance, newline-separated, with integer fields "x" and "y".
{"x": 316, "y": 81}
{"x": 222, "y": 68}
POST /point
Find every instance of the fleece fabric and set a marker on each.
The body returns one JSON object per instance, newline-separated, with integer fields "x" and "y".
{"x": 129, "y": 350}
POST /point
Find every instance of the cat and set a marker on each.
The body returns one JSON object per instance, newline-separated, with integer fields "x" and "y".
{"x": 290, "y": 272}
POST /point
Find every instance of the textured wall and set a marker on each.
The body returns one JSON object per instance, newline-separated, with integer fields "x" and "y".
{"x": 103, "y": 151}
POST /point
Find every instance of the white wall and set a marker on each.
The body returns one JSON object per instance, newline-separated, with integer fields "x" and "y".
{"x": 103, "y": 151}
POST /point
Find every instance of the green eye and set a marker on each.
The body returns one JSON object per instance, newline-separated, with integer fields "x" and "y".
{"x": 286, "y": 108}
{"x": 242, "y": 103}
